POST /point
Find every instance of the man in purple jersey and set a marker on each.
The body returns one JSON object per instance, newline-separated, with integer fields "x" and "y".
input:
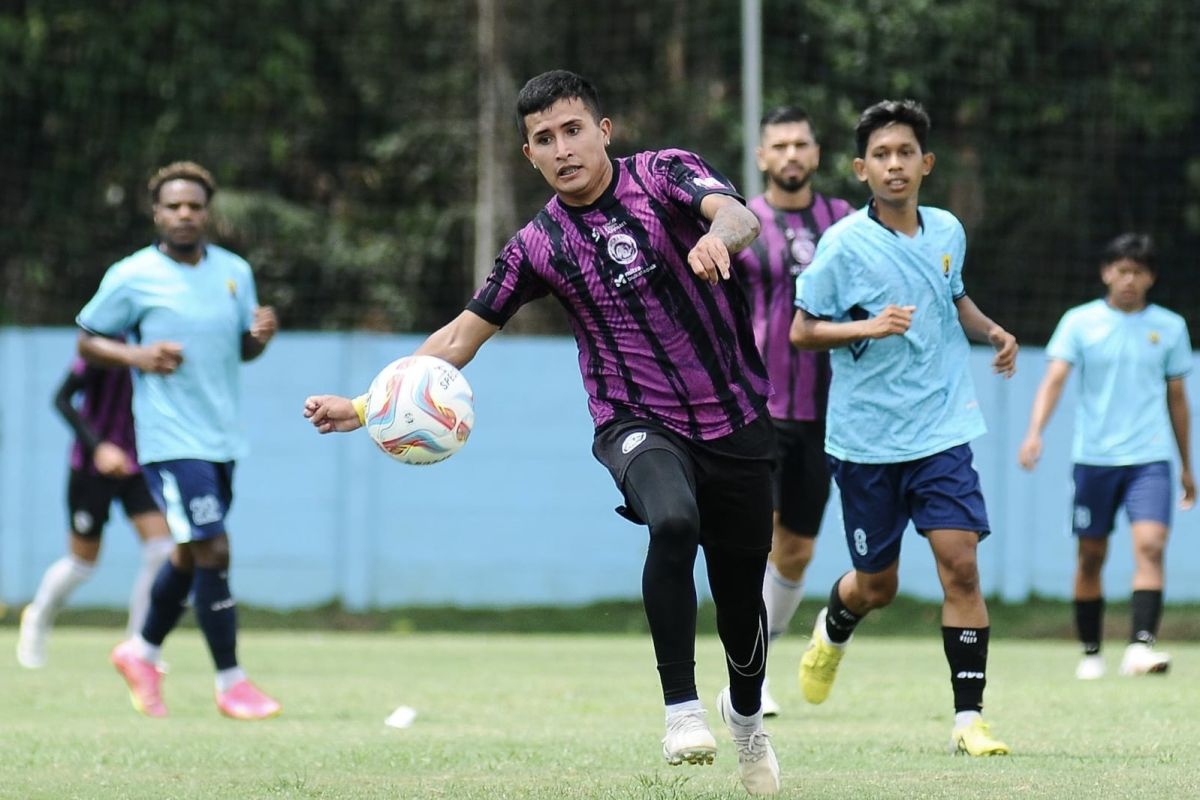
{"x": 637, "y": 250}
{"x": 793, "y": 216}
{"x": 104, "y": 467}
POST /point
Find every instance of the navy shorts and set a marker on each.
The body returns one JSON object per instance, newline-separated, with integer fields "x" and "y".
{"x": 938, "y": 492}
{"x": 90, "y": 495}
{"x": 801, "y": 475}
{"x": 194, "y": 495}
{"x": 1144, "y": 490}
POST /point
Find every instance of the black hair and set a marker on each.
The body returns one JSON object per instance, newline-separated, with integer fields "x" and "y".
{"x": 892, "y": 112}
{"x": 182, "y": 171}
{"x": 543, "y": 91}
{"x": 781, "y": 114}
{"x": 1137, "y": 247}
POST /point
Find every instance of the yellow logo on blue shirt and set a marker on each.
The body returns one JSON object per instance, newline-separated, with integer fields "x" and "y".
{"x": 1154, "y": 337}
{"x": 946, "y": 264}
{"x": 231, "y": 285}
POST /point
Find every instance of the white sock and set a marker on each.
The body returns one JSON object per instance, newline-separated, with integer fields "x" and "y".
{"x": 145, "y": 650}
{"x": 228, "y": 678}
{"x": 964, "y": 718}
{"x": 740, "y": 725}
{"x": 686, "y": 707}
{"x": 154, "y": 553}
{"x": 61, "y": 578}
{"x": 781, "y": 597}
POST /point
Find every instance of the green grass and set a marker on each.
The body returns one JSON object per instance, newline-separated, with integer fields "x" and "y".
{"x": 556, "y": 717}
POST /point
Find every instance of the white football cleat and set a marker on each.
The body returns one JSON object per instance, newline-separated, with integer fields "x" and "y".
{"x": 1141, "y": 659}
{"x": 1091, "y": 667}
{"x": 757, "y": 765}
{"x": 688, "y": 739}
{"x": 31, "y": 641}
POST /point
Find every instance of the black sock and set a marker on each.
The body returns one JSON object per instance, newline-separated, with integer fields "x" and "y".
{"x": 966, "y": 652}
{"x": 216, "y": 615}
{"x": 168, "y": 599}
{"x": 839, "y": 620}
{"x": 1147, "y": 613}
{"x": 1089, "y": 624}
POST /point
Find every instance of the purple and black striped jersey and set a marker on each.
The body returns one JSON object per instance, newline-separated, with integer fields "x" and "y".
{"x": 655, "y": 341}
{"x": 106, "y": 411}
{"x": 768, "y": 269}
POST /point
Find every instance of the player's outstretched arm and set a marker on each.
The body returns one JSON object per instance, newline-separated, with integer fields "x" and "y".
{"x": 813, "y": 333}
{"x": 979, "y": 328}
{"x": 456, "y": 343}
{"x": 1181, "y": 423}
{"x": 733, "y": 228}
{"x": 1044, "y": 403}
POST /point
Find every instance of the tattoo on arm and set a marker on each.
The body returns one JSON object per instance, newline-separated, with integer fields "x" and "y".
{"x": 735, "y": 225}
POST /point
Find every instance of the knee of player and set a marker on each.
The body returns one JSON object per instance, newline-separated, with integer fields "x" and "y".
{"x": 679, "y": 523}
{"x": 878, "y": 591}
{"x": 960, "y": 576}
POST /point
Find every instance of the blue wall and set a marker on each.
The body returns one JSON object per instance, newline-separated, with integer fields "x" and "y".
{"x": 523, "y": 515}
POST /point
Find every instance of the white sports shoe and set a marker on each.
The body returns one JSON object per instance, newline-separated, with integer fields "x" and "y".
{"x": 757, "y": 764}
{"x": 1141, "y": 659}
{"x": 1091, "y": 667}
{"x": 31, "y": 641}
{"x": 769, "y": 705}
{"x": 688, "y": 739}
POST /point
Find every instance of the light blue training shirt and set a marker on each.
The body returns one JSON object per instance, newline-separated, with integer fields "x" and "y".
{"x": 149, "y": 297}
{"x": 901, "y": 397}
{"x": 1124, "y": 361}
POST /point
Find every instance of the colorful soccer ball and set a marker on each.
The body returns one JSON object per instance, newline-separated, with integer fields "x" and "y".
{"x": 420, "y": 410}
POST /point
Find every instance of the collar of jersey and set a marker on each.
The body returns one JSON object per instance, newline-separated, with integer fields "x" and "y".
{"x": 873, "y": 213}
{"x": 607, "y": 197}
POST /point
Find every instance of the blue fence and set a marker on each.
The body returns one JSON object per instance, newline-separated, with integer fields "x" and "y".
{"x": 523, "y": 515}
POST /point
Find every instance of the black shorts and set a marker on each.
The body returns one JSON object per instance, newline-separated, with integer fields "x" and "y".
{"x": 89, "y": 497}
{"x": 730, "y": 476}
{"x": 802, "y": 475}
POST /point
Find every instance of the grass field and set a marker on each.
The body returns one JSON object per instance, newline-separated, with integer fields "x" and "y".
{"x": 550, "y": 717}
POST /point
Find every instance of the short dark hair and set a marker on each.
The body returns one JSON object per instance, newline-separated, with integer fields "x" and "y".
{"x": 781, "y": 114}
{"x": 182, "y": 171}
{"x": 892, "y": 112}
{"x": 1137, "y": 247}
{"x": 543, "y": 91}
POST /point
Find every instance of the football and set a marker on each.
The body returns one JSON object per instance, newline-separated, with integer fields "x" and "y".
{"x": 420, "y": 410}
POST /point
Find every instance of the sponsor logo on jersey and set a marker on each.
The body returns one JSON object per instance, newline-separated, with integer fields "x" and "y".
{"x": 708, "y": 182}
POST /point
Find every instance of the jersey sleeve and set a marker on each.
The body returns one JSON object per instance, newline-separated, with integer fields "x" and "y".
{"x": 1179, "y": 358}
{"x": 686, "y": 179}
{"x": 1064, "y": 344}
{"x": 511, "y": 284}
{"x": 958, "y": 259}
{"x": 111, "y": 311}
{"x": 823, "y": 289}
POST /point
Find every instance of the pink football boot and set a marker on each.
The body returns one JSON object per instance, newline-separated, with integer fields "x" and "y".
{"x": 244, "y": 700}
{"x": 143, "y": 677}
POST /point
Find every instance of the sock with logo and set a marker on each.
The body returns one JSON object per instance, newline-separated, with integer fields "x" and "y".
{"x": 839, "y": 620}
{"x": 1089, "y": 622}
{"x": 216, "y": 615}
{"x": 1147, "y": 613}
{"x": 168, "y": 598}
{"x": 966, "y": 652}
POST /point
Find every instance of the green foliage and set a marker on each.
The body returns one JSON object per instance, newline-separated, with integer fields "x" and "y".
{"x": 345, "y": 134}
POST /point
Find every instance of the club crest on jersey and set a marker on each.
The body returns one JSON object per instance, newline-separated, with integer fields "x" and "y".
{"x": 803, "y": 248}
{"x": 946, "y": 264}
{"x": 622, "y": 249}
{"x": 1154, "y": 337}
{"x": 231, "y": 285}
{"x": 632, "y": 441}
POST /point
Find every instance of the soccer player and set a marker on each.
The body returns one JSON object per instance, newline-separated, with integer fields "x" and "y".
{"x": 885, "y": 294}
{"x": 104, "y": 467}
{"x": 637, "y": 251}
{"x": 792, "y": 217}
{"x": 190, "y": 311}
{"x": 1132, "y": 357}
